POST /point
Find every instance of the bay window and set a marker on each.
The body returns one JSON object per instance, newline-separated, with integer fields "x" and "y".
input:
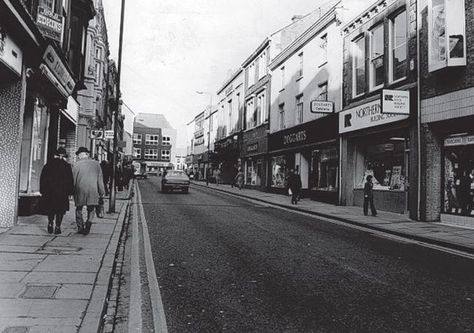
{"x": 446, "y": 34}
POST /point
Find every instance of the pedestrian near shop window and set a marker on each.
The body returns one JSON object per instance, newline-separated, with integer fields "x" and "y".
{"x": 239, "y": 179}
{"x": 294, "y": 186}
{"x": 88, "y": 188}
{"x": 56, "y": 185}
{"x": 369, "y": 197}
{"x": 104, "y": 165}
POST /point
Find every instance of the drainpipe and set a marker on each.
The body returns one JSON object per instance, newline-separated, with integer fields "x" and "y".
{"x": 418, "y": 97}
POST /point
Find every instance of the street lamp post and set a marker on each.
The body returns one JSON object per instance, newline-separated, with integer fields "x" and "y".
{"x": 208, "y": 134}
{"x": 117, "y": 103}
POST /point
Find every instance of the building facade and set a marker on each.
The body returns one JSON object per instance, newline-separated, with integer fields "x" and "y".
{"x": 379, "y": 55}
{"x": 447, "y": 111}
{"x": 230, "y": 122}
{"x": 153, "y": 142}
{"x": 301, "y": 137}
{"x": 39, "y": 62}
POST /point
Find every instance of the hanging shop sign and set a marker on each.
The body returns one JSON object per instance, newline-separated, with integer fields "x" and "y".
{"x": 109, "y": 134}
{"x": 10, "y": 53}
{"x": 60, "y": 71}
{"x": 199, "y": 141}
{"x": 459, "y": 141}
{"x": 395, "y": 102}
{"x": 199, "y": 133}
{"x": 365, "y": 116}
{"x": 322, "y": 107}
{"x": 50, "y": 24}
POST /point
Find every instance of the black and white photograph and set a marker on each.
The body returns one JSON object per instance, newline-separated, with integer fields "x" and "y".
{"x": 206, "y": 166}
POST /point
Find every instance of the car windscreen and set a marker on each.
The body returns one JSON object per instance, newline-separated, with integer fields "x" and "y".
{"x": 176, "y": 174}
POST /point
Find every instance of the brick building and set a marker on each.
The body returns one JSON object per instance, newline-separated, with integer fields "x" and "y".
{"x": 447, "y": 111}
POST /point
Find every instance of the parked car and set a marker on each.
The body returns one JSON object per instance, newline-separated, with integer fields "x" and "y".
{"x": 175, "y": 180}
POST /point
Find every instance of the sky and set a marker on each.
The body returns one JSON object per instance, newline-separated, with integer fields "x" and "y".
{"x": 174, "y": 48}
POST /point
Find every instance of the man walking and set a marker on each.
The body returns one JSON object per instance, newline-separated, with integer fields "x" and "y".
{"x": 294, "y": 185}
{"x": 369, "y": 196}
{"x": 88, "y": 187}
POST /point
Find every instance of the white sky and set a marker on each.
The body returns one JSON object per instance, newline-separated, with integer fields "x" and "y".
{"x": 173, "y": 48}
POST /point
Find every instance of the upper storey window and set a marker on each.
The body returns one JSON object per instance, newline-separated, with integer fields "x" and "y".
{"x": 398, "y": 46}
{"x": 376, "y": 69}
{"x": 358, "y": 65}
{"x": 446, "y": 34}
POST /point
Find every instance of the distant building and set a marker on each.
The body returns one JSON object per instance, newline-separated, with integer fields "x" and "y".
{"x": 180, "y": 158}
{"x": 153, "y": 142}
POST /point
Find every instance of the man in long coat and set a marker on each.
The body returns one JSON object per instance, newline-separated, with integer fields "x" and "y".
{"x": 88, "y": 187}
{"x": 56, "y": 184}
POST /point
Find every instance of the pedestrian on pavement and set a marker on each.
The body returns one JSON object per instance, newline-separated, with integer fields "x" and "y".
{"x": 294, "y": 186}
{"x": 369, "y": 196}
{"x": 88, "y": 188}
{"x": 104, "y": 165}
{"x": 56, "y": 185}
{"x": 239, "y": 179}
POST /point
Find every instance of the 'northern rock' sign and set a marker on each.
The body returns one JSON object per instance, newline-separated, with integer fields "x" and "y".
{"x": 364, "y": 116}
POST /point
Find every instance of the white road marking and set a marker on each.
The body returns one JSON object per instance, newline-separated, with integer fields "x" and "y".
{"x": 135, "y": 313}
{"x": 158, "y": 311}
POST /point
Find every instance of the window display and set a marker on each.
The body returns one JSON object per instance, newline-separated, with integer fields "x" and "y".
{"x": 459, "y": 181}
{"x": 386, "y": 163}
{"x": 324, "y": 169}
{"x": 279, "y": 171}
{"x": 253, "y": 172}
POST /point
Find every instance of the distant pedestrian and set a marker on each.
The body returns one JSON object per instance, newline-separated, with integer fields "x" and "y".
{"x": 56, "y": 185}
{"x": 218, "y": 176}
{"x": 88, "y": 188}
{"x": 239, "y": 179}
{"x": 294, "y": 186}
{"x": 104, "y": 165}
{"x": 369, "y": 196}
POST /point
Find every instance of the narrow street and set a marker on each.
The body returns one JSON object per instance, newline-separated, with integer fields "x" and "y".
{"x": 227, "y": 264}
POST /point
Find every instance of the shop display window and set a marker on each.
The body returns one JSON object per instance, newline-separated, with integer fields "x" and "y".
{"x": 324, "y": 169}
{"x": 279, "y": 171}
{"x": 459, "y": 180}
{"x": 253, "y": 172}
{"x": 385, "y": 162}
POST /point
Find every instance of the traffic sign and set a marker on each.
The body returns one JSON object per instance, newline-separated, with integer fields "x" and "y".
{"x": 109, "y": 134}
{"x": 97, "y": 134}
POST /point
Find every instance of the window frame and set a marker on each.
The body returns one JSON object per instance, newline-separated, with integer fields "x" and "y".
{"x": 299, "y": 109}
{"x": 166, "y": 157}
{"x": 166, "y": 142}
{"x": 137, "y": 138}
{"x": 137, "y": 153}
{"x": 372, "y": 71}
{"x": 151, "y": 154}
{"x": 281, "y": 116}
{"x": 392, "y": 45}
{"x": 300, "y": 66}
{"x": 354, "y": 50}
{"x": 152, "y": 142}
{"x": 323, "y": 44}
{"x": 282, "y": 77}
{"x": 323, "y": 92}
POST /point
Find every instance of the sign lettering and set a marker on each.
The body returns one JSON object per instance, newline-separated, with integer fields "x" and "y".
{"x": 294, "y": 137}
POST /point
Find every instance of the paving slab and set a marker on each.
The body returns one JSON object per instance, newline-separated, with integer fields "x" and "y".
{"x": 12, "y": 276}
{"x": 57, "y": 308}
{"x": 10, "y": 289}
{"x": 19, "y": 261}
{"x": 74, "y": 291}
{"x": 9, "y": 238}
{"x": 69, "y": 263}
{"x": 59, "y": 277}
{"x": 18, "y": 248}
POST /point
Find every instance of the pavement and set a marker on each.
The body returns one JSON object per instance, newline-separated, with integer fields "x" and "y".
{"x": 452, "y": 237}
{"x": 58, "y": 283}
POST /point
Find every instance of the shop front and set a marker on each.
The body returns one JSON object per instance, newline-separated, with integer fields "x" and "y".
{"x": 312, "y": 150}
{"x": 228, "y": 157}
{"x": 376, "y": 144}
{"x": 47, "y": 93}
{"x": 255, "y": 147}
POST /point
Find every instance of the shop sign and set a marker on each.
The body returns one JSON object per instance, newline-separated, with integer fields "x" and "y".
{"x": 10, "y": 53}
{"x": 199, "y": 141}
{"x": 199, "y": 133}
{"x": 459, "y": 141}
{"x": 58, "y": 68}
{"x": 252, "y": 148}
{"x": 322, "y": 107}
{"x": 296, "y": 137}
{"x": 395, "y": 101}
{"x": 50, "y": 24}
{"x": 365, "y": 116}
{"x": 72, "y": 110}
